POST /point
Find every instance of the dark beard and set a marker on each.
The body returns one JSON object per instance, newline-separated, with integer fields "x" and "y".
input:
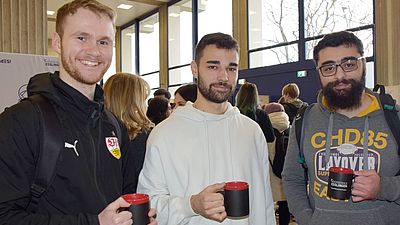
{"x": 344, "y": 99}
{"x": 214, "y": 96}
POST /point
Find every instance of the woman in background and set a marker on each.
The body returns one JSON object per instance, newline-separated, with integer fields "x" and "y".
{"x": 184, "y": 94}
{"x": 125, "y": 96}
{"x": 247, "y": 102}
{"x": 280, "y": 123}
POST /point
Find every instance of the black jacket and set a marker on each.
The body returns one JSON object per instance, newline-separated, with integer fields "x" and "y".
{"x": 86, "y": 181}
{"x": 264, "y": 122}
{"x": 138, "y": 145}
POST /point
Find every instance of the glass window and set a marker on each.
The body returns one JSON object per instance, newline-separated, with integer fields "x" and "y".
{"x": 369, "y": 77}
{"x": 272, "y": 22}
{"x": 214, "y": 16}
{"x": 112, "y": 69}
{"x": 153, "y": 80}
{"x": 180, "y": 75}
{"x": 323, "y": 17}
{"x": 172, "y": 91}
{"x": 128, "y": 49}
{"x": 310, "y": 47}
{"x": 180, "y": 33}
{"x": 366, "y": 36}
{"x": 278, "y": 55}
{"x": 149, "y": 55}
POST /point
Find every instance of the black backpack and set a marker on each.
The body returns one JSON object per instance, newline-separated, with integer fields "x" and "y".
{"x": 50, "y": 147}
{"x": 281, "y": 143}
{"x": 389, "y": 109}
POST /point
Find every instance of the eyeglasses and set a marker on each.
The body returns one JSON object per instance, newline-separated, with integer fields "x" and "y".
{"x": 350, "y": 64}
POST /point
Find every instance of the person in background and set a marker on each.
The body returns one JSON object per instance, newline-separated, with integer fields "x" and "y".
{"x": 334, "y": 135}
{"x": 185, "y": 93}
{"x": 247, "y": 103}
{"x": 290, "y": 100}
{"x": 202, "y": 145}
{"x": 90, "y": 171}
{"x": 125, "y": 95}
{"x": 280, "y": 123}
{"x": 158, "y": 109}
{"x": 162, "y": 93}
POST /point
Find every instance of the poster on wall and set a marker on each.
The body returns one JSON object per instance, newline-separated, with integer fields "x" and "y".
{"x": 15, "y": 71}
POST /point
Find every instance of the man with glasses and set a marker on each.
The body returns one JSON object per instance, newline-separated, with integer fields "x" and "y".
{"x": 333, "y": 134}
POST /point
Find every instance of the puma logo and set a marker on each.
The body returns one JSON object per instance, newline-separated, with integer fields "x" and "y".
{"x": 68, "y": 145}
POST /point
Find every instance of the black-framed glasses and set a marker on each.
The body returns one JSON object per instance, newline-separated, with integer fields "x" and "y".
{"x": 350, "y": 64}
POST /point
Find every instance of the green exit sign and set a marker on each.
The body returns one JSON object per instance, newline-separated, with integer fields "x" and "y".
{"x": 302, "y": 73}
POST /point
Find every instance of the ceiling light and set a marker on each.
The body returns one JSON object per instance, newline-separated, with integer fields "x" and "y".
{"x": 124, "y": 6}
{"x": 50, "y": 13}
{"x": 148, "y": 26}
{"x": 129, "y": 34}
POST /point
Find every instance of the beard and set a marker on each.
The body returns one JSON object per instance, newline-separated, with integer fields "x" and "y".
{"x": 212, "y": 95}
{"x": 345, "y": 99}
{"x": 75, "y": 73}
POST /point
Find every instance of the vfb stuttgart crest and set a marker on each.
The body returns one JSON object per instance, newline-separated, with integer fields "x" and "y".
{"x": 113, "y": 147}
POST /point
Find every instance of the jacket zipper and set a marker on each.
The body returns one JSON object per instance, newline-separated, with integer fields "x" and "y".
{"x": 95, "y": 157}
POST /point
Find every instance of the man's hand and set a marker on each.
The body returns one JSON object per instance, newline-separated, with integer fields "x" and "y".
{"x": 111, "y": 216}
{"x": 210, "y": 204}
{"x": 366, "y": 186}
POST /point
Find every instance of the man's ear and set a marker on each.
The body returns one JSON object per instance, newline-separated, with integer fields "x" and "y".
{"x": 56, "y": 42}
{"x": 195, "y": 69}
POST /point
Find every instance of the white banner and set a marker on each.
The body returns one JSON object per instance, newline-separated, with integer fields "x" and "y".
{"x": 15, "y": 71}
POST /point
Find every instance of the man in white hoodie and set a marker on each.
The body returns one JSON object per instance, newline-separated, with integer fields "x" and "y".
{"x": 202, "y": 145}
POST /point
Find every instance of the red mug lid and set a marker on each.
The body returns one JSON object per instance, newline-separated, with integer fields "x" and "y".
{"x": 136, "y": 199}
{"x": 341, "y": 170}
{"x": 236, "y": 185}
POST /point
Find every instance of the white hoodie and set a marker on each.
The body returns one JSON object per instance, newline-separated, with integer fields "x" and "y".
{"x": 192, "y": 150}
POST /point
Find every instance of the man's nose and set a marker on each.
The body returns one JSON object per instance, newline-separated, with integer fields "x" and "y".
{"x": 339, "y": 72}
{"x": 92, "y": 48}
{"x": 223, "y": 75}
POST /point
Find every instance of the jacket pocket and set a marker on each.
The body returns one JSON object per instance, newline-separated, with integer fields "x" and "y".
{"x": 347, "y": 217}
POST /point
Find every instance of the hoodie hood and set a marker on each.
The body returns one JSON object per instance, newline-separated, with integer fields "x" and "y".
{"x": 279, "y": 121}
{"x": 50, "y": 86}
{"x": 189, "y": 112}
{"x": 298, "y": 103}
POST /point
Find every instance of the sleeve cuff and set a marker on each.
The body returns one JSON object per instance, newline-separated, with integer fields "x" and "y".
{"x": 188, "y": 209}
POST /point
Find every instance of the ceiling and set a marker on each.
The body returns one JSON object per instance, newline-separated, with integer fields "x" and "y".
{"x": 140, "y": 7}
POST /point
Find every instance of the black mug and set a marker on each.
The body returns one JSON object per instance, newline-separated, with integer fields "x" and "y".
{"x": 140, "y": 207}
{"x": 339, "y": 183}
{"x": 236, "y": 198}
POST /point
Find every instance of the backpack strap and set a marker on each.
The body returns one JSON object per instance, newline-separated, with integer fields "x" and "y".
{"x": 50, "y": 148}
{"x": 391, "y": 113}
{"x": 300, "y": 121}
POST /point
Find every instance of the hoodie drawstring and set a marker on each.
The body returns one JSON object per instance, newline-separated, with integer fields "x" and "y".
{"x": 365, "y": 144}
{"x": 329, "y": 142}
{"x": 328, "y": 139}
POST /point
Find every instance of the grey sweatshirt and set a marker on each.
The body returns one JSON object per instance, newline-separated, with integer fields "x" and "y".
{"x": 345, "y": 149}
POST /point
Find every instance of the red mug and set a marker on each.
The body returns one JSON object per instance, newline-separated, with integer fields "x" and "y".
{"x": 236, "y": 198}
{"x": 339, "y": 183}
{"x": 140, "y": 207}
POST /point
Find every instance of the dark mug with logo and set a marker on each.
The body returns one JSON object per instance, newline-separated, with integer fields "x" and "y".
{"x": 236, "y": 198}
{"x": 339, "y": 183}
{"x": 140, "y": 207}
